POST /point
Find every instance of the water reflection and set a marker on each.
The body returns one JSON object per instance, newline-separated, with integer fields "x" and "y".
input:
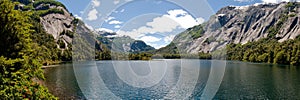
{"x": 62, "y": 83}
{"x": 257, "y": 81}
{"x": 126, "y": 91}
{"x": 241, "y": 81}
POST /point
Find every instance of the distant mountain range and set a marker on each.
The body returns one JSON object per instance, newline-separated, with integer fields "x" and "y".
{"x": 122, "y": 43}
{"x": 230, "y": 24}
{"x": 55, "y": 20}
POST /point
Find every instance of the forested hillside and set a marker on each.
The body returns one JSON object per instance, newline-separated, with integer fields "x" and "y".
{"x": 20, "y": 59}
{"x": 267, "y": 50}
{"x": 53, "y": 26}
{"x": 257, "y": 33}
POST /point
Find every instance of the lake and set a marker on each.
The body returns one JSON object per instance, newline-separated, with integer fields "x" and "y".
{"x": 173, "y": 79}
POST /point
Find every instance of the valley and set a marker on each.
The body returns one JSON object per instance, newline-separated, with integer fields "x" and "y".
{"x": 262, "y": 38}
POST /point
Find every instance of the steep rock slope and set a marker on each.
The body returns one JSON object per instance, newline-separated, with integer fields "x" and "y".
{"x": 57, "y": 24}
{"x": 60, "y": 25}
{"x": 241, "y": 25}
{"x": 54, "y": 18}
{"x": 56, "y": 28}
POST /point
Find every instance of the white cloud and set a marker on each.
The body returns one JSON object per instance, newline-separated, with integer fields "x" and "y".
{"x": 200, "y": 20}
{"x": 149, "y": 39}
{"x": 267, "y": 1}
{"x": 89, "y": 27}
{"x": 277, "y": 1}
{"x": 160, "y": 24}
{"x": 96, "y": 3}
{"x": 109, "y": 18}
{"x": 122, "y": 10}
{"x": 243, "y": 0}
{"x": 133, "y": 34}
{"x": 105, "y": 29}
{"x": 115, "y": 22}
{"x": 92, "y": 15}
{"x": 174, "y": 19}
{"x": 270, "y": 1}
{"x": 158, "y": 2}
{"x": 183, "y": 18}
{"x": 169, "y": 38}
{"x": 156, "y": 46}
{"x": 116, "y": 11}
{"x": 117, "y": 26}
{"x": 159, "y": 46}
{"x": 78, "y": 17}
{"x": 116, "y": 1}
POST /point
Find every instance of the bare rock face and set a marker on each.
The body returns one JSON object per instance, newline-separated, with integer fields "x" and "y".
{"x": 244, "y": 24}
{"x": 56, "y": 24}
{"x": 61, "y": 25}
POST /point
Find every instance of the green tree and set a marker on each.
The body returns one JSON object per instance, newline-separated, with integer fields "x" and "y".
{"x": 263, "y": 57}
{"x": 279, "y": 58}
{"x": 20, "y": 70}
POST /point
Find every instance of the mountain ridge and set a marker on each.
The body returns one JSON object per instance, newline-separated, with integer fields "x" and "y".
{"x": 241, "y": 25}
{"x": 59, "y": 27}
{"x": 122, "y": 43}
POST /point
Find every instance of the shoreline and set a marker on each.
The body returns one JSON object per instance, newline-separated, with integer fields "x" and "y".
{"x": 55, "y": 64}
{"x": 49, "y": 66}
{"x": 65, "y": 62}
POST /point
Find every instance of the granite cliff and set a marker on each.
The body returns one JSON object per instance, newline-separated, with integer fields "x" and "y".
{"x": 242, "y": 24}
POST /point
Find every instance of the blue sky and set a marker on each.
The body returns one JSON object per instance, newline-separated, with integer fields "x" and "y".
{"x": 76, "y": 6}
{"x": 154, "y": 21}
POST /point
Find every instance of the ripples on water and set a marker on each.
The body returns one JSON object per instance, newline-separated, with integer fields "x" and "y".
{"x": 241, "y": 81}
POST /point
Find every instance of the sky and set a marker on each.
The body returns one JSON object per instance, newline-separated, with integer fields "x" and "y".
{"x": 156, "y": 22}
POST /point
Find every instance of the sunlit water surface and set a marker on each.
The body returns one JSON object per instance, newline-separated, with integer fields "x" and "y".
{"x": 241, "y": 80}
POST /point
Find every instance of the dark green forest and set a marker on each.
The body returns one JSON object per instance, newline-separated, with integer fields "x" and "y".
{"x": 267, "y": 50}
{"x": 25, "y": 47}
{"x": 20, "y": 63}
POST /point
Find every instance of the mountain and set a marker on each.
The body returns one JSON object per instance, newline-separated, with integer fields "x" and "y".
{"x": 104, "y": 33}
{"x": 53, "y": 17}
{"x": 55, "y": 28}
{"x": 122, "y": 43}
{"x": 239, "y": 25}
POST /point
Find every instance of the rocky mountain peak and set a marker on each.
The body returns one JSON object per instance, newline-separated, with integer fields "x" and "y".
{"x": 58, "y": 23}
{"x": 244, "y": 24}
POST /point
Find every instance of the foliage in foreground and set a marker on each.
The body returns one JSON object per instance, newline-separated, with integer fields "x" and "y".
{"x": 20, "y": 69}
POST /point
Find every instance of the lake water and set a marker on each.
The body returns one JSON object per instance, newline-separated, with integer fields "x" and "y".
{"x": 173, "y": 79}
